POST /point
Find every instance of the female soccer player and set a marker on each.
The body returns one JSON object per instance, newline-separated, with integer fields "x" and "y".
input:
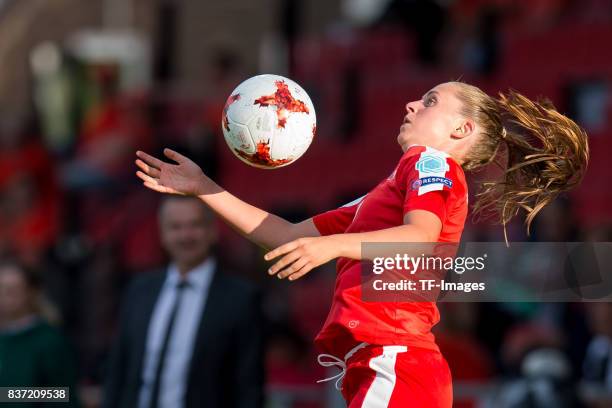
{"x": 387, "y": 352}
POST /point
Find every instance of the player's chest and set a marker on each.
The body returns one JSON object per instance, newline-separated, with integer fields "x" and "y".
{"x": 381, "y": 208}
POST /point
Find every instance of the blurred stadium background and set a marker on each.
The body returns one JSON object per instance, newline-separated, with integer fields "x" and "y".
{"x": 84, "y": 84}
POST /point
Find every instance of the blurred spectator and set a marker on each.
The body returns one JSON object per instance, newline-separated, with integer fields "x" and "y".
{"x": 540, "y": 371}
{"x": 597, "y": 366}
{"x": 54, "y": 75}
{"x": 189, "y": 335}
{"x": 33, "y": 353}
{"x": 546, "y": 381}
{"x": 113, "y": 127}
{"x": 525, "y": 337}
{"x": 30, "y": 200}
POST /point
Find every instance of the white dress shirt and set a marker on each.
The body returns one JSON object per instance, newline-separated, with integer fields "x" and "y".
{"x": 173, "y": 382}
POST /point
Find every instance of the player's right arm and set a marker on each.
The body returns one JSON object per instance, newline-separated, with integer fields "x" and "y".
{"x": 187, "y": 178}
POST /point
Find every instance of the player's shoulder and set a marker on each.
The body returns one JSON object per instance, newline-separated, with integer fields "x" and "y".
{"x": 427, "y": 159}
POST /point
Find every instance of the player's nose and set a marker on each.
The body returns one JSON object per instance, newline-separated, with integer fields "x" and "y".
{"x": 412, "y": 107}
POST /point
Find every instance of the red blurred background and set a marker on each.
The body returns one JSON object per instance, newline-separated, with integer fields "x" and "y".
{"x": 85, "y": 84}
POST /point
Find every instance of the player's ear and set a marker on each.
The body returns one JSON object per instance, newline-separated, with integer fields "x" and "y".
{"x": 463, "y": 128}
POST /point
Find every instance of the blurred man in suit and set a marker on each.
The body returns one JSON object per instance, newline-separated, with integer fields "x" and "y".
{"x": 189, "y": 336}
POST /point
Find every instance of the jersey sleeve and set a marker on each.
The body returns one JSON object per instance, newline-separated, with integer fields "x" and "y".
{"x": 428, "y": 181}
{"x": 338, "y": 220}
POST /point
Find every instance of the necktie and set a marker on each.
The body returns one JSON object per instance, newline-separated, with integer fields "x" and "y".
{"x": 166, "y": 341}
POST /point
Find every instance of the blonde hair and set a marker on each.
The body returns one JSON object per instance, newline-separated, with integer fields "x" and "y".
{"x": 542, "y": 153}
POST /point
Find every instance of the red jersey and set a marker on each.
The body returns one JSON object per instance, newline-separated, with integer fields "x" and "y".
{"x": 424, "y": 179}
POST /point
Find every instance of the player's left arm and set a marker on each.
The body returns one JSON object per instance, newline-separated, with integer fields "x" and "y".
{"x": 302, "y": 255}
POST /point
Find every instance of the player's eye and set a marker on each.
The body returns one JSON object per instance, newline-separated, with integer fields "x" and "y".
{"x": 430, "y": 101}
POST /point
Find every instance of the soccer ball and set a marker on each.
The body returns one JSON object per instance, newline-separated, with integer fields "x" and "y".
{"x": 268, "y": 121}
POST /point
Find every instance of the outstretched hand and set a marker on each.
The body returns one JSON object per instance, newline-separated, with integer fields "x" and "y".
{"x": 184, "y": 178}
{"x": 301, "y": 256}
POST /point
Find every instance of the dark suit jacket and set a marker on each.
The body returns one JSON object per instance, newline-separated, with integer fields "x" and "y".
{"x": 226, "y": 368}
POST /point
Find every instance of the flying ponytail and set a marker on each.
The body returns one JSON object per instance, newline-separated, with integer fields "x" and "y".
{"x": 541, "y": 152}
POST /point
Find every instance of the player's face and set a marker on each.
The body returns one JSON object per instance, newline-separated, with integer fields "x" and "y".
{"x": 430, "y": 120}
{"x": 15, "y": 294}
{"x": 186, "y": 232}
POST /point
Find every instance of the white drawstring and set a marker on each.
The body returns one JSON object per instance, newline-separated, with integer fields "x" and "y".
{"x": 335, "y": 362}
{"x": 338, "y": 363}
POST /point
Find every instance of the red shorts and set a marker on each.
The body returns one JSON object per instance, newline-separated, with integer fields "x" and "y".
{"x": 397, "y": 376}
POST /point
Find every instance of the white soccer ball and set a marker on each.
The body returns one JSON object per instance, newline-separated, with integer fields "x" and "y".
{"x": 268, "y": 121}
